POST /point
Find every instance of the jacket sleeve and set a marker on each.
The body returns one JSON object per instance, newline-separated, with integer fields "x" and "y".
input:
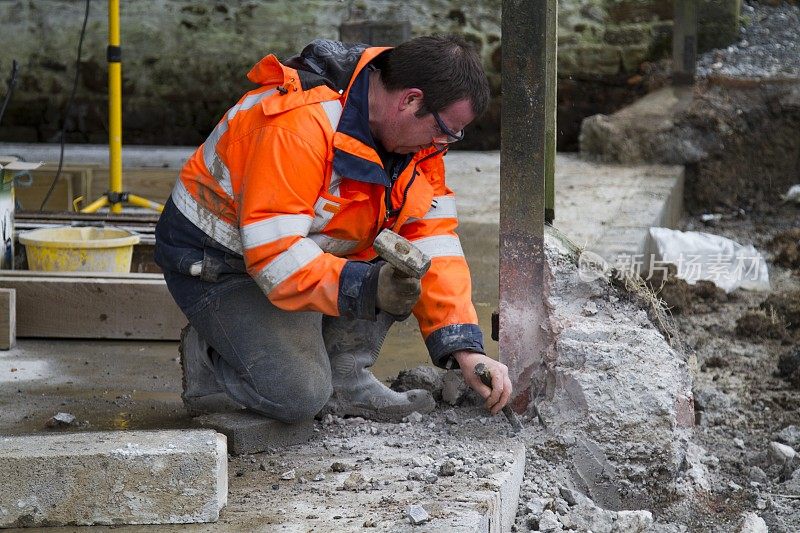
{"x": 446, "y": 315}
{"x": 282, "y": 177}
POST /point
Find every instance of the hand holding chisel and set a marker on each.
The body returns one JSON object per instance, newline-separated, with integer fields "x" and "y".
{"x": 486, "y": 378}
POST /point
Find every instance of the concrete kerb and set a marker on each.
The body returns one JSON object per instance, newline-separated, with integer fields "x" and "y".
{"x": 136, "y": 477}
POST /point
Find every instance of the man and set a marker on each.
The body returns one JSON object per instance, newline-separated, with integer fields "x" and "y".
{"x": 266, "y": 241}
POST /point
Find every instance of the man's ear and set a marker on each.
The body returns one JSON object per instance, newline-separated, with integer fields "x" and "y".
{"x": 411, "y": 98}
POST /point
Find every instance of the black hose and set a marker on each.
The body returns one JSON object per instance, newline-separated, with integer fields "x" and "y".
{"x": 68, "y": 109}
{"x": 12, "y": 81}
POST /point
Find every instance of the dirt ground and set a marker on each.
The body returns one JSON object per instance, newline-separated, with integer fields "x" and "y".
{"x": 742, "y": 401}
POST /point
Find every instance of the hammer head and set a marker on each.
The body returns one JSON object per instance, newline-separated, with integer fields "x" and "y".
{"x": 401, "y": 253}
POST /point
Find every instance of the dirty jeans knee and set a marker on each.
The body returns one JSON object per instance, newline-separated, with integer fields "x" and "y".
{"x": 296, "y": 398}
{"x": 270, "y": 361}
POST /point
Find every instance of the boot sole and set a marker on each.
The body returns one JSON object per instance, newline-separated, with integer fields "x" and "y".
{"x": 385, "y": 415}
{"x": 213, "y": 403}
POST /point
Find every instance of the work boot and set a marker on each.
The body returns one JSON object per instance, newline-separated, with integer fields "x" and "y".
{"x": 353, "y": 346}
{"x": 201, "y": 392}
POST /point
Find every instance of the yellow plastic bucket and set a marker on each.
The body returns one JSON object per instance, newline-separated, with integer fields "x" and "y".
{"x": 82, "y": 249}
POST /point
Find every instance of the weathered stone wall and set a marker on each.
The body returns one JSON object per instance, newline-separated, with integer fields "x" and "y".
{"x": 184, "y": 61}
{"x": 608, "y": 50}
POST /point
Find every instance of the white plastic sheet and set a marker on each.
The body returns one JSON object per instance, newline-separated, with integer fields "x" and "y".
{"x": 703, "y": 256}
{"x": 793, "y": 195}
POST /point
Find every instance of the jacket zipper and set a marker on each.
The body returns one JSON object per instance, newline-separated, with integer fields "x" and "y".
{"x": 395, "y": 175}
{"x": 387, "y": 197}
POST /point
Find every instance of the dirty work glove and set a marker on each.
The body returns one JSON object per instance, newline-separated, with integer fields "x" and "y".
{"x": 396, "y": 295}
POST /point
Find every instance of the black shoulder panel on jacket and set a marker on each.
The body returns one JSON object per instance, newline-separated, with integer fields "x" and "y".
{"x": 326, "y": 62}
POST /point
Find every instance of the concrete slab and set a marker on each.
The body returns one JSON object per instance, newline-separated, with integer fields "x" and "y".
{"x": 605, "y": 208}
{"x": 143, "y": 477}
{"x": 97, "y": 154}
{"x": 251, "y": 433}
{"x": 361, "y": 472}
{"x": 8, "y": 318}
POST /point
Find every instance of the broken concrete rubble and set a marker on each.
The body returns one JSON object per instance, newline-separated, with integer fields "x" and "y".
{"x": 417, "y": 514}
{"x": 376, "y": 478}
{"x": 781, "y": 453}
{"x": 752, "y": 523}
{"x": 60, "y": 420}
{"x": 790, "y": 435}
{"x": 614, "y": 390}
{"x": 424, "y": 377}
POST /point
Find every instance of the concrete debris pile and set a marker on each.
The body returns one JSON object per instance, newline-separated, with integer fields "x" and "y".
{"x": 451, "y": 470}
{"x": 617, "y": 393}
{"x": 617, "y": 400}
{"x": 768, "y": 45}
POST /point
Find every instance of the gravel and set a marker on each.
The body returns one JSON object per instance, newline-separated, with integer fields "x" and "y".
{"x": 768, "y": 47}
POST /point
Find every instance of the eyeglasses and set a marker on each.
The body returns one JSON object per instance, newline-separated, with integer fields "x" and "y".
{"x": 448, "y": 136}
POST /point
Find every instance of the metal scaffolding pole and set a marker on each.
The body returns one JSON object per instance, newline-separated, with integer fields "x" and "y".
{"x": 522, "y": 192}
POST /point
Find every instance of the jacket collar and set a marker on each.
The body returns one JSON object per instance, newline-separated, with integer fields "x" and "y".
{"x": 355, "y": 152}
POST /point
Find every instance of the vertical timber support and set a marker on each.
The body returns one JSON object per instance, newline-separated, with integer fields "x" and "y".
{"x": 550, "y": 113}
{"x": 522, "y": 193}
{"x": 684, "y": 42}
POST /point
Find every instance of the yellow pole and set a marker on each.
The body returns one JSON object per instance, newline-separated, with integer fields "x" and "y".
{"x": 114, "y": 104}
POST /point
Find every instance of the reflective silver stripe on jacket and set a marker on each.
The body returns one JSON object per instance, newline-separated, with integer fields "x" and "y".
{"x": 287, "y": 263}
{"x": 333, "y": 109}
{"x": 442, "y": 207}
{"x": 213, "y": 162}
{"x": 322, "y": 215}
{"x": 271, "y": 229}
{"x": 338, "y": 247}
{"x": 219, "y": 230}
{"x": 440, "y": 246}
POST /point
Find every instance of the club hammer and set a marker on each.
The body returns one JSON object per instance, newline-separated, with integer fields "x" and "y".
{"x": 407, "y": 259}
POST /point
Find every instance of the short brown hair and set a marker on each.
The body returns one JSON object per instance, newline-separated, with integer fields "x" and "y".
{"x": 446, "y": 68}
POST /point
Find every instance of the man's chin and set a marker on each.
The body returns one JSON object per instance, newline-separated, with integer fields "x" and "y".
{"x": 408, "y": 149}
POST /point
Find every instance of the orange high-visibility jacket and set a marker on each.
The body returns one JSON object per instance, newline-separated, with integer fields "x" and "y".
{"x": 291, "y": 180}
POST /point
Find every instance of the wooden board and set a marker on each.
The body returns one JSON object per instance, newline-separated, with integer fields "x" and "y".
{"x": 93, "y": 305}
{"x": 8, "y": 318}
{"x": 74, "y": 181}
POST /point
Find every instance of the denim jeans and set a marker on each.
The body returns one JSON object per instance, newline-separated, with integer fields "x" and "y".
{"x": 271, "y": 361}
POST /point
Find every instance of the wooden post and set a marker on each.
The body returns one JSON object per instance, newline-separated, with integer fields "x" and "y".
{"x": 522, "y": 192}
{"x": 684, "y": 42}
{"x": 550, "y": 113}
{"x": 8, "y": 318}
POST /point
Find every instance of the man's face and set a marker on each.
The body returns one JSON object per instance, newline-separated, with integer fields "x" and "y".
{"x": 408, "y": 133}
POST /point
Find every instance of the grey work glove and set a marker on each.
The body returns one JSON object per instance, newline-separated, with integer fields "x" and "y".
{"x": 396, "y": 295}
